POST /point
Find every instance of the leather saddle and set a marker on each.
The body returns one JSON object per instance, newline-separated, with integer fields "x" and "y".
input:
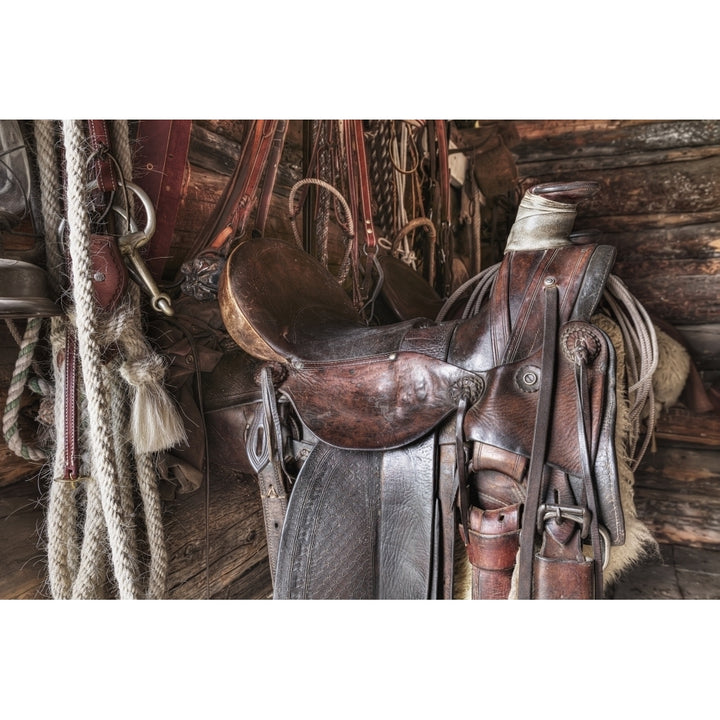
{"x": 374, "y": 444}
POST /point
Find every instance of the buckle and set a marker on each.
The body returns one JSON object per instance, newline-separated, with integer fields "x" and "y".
{"x": 579, "y": 515}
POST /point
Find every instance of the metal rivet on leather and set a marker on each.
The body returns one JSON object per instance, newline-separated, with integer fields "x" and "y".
{"x": 550, "y": 281}
{"x": 527, "y": 378}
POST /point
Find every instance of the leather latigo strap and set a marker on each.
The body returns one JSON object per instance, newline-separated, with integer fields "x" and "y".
{"x": 99, "y": 137}
{"x": 70, "y": 415}
{"x": 360, "y": 202}
{"x": 160, "y": 170}
{"x": 273, "y": 163}
{"x": 240, "y": 195}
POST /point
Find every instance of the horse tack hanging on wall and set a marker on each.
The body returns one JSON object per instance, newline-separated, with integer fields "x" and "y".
{"x": 111, "y": 410}
{"x": 501, "y": 421}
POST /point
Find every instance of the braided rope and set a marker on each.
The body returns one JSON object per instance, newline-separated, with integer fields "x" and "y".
{"x": 63, "y": 548}
{"x": 381, "y": 173}
{"x": 91, "y": 573}
{"x": 45, "y": 140}
{"x": 102, "y": 450}
{"x": 11, "y": 429}
{"x": 349, "y": 228}
{"x": 154, "y": 423}
{"x": 154, "y": 527}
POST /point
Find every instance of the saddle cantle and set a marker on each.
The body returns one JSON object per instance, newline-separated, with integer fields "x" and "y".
{"x": 354, "y": 386}
{"x": 503, "y": 421}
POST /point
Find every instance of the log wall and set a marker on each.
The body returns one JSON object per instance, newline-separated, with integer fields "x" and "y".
{"x": 659, "y": 205}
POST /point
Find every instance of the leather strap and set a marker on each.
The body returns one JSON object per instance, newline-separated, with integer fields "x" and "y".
{"x": 492, "y": 549}
{"x": 240, "y": 195}
{"x": 440, "y": 174}
{"x": 540, "y": 438}
{"x": 583, "y": 422}
{"x": 99, "y": 138}
{"x": 447, "y": 497}
{"x": 273, "y": 164}
{"x": 72, "y": 457}
{"x": 360, "y": 204}
{"x": 160, "y": 171}
{"x": 264, "y": 448}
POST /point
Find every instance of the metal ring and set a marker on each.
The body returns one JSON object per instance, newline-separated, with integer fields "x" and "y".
{"x": 150, "y": 222}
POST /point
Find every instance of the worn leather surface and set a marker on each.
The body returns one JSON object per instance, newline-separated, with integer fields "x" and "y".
{"x": 110, "y": 275}
{"x": 362, "y": 515}
{"x": 335, "y": 541}
{"x": 328, "y": 547}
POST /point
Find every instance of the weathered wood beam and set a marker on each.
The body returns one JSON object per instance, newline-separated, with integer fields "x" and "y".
{"x": 677, "y": 494}
{"x": 678, "y": 425}
{"x": 23, "y": 564}
{"x": 681, "y": 292}
{"x": 677, "y": 187}
{"x": 695, "y": 241}
{"x": 542, "y": 140}
{"x": 234, "y": 535}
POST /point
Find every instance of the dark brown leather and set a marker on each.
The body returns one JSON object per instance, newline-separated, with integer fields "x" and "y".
{"x": 406, "y": 293}
{"x": 160, "y": 165}
{"x": 493, "y": 541}
{"x": 110, "y": 274}
{"x": 504, "y": 389}
{"x": 558, "y": 579}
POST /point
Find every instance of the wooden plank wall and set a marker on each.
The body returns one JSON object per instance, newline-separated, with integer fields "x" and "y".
{"x": 659, "y": 205}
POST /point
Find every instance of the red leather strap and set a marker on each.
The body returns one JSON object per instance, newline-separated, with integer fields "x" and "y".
{"x": 240, "y": 194}
{"x": 364, "y": 187}
{"x": 160, "y": 169}
{"x": 273, "y": 163}
{"x": 99, "y": 137}
{"x": 72, "y": 470}
{"x": 360, "y": 206}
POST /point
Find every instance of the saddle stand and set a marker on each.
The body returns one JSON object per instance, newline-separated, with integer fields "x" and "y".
{"x": 374, "y": 445}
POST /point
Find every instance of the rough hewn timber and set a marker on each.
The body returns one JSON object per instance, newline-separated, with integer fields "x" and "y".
{"x": 677, "y": 493}
{"x": 554, "y": 139}
{"x": 699, "y": 241}
{"x": 677, "y": 187}
{"x": 234, "y": 534}
{"x": 678, "y": 291}
{"x": 23, "y": 564}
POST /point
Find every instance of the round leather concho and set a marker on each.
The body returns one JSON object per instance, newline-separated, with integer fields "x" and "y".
{"x": 580, "y": 342}
{"x": 527, "y": 378}
{"x": 471, "y": 388}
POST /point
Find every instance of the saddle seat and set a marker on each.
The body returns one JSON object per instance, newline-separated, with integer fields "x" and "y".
{"x": 355, "y": 386}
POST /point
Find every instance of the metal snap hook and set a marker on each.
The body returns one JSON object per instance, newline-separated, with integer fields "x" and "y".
{"x": 142, "y": 237}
